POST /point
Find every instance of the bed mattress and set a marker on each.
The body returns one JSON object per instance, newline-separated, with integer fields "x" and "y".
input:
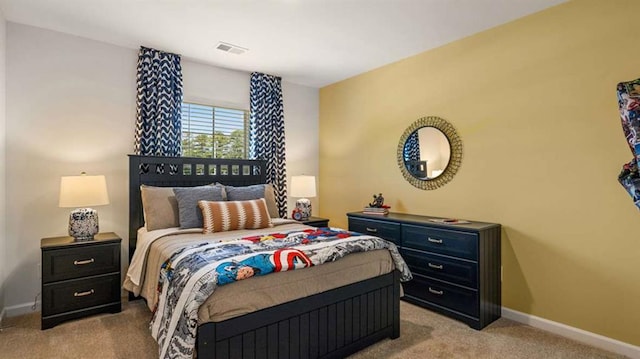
{"x": 261, "y": 292}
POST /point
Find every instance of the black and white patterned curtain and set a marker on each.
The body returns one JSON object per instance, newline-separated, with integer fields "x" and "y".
{"x": 266, "y": 134}
{"x": 158, "y": 128}
{"x": 629, "y": 107}
{"x": 412, "y": 147}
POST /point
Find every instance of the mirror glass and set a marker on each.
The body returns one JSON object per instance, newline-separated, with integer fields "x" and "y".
{"x": 426, "y": 153}
{"x": 429, "y": 153}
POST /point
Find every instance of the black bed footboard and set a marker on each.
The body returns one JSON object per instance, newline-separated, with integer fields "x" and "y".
{"x": 331, "y": 324}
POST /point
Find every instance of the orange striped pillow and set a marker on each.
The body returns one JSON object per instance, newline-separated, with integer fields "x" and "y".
{"x": 224, "y": 216}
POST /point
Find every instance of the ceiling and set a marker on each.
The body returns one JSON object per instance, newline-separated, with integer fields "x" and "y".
{"x": 307, "y": 42}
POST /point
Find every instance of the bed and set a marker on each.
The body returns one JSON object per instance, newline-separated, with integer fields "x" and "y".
{"x": 333, "y": 323}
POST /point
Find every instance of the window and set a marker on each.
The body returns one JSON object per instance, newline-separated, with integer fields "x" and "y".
{"x": 214, "y": 132}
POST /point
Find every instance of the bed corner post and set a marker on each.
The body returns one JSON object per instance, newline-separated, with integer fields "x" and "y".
{"x": 396, "y": 305}
{"x": 205, "y": 347}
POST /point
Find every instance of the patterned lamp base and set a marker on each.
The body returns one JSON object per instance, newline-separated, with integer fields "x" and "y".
{"x": 83, "y": 224}
{"x": 304, "y": 206}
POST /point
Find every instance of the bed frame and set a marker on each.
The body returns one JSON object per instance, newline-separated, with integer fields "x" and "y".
{"x": 331, "y": 324}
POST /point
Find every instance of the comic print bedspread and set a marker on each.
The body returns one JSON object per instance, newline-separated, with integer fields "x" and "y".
{"x": 192, "y": 273}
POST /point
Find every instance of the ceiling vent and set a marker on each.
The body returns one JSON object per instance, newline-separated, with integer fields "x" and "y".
{"x": 234, "y": 49}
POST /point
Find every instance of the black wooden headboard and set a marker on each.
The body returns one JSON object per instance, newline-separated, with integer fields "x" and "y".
{"x": 184, "y": 172}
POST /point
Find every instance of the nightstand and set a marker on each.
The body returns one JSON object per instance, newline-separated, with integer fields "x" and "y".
{"x": 316, "y": 222}
{"x": 79, "y": 278}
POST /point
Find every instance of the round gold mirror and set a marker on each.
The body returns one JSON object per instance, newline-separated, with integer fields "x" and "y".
{"x": 429, "y": 153}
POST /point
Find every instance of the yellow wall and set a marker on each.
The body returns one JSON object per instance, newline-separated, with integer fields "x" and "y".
{"x": 534, "y": 102}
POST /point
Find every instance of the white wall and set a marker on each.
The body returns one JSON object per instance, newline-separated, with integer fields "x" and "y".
{"x": 217, "y": 86}
{"x": 71, "y": 108}
{"x": 301, "y": 115}
{"x": 3, "y": 238}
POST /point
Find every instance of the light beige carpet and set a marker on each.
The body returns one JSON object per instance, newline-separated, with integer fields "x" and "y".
{"x": 424, "y": 334}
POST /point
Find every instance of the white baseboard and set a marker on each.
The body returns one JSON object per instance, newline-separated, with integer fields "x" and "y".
{"x": 20, "y": 309}
{"x": 579, "y": 335}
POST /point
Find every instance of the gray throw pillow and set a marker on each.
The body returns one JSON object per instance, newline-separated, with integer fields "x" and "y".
{"x": 245, "y": 193}
{"x": 188, "y": 197}
{"x": 255, "y": 191}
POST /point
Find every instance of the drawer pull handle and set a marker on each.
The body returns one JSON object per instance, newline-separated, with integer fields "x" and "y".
{"x": 86, "y": 261}
{"x": 434, "y": 240}
{"x": 89, "y": 292}
{"x": 434, "y": 266}
{"x": 438, "y": 292}
{"x": 372, "y": 230}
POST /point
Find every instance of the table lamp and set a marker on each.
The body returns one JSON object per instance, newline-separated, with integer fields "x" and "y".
{"x": 81, "y": 192}
{"x": 303, "y": 186}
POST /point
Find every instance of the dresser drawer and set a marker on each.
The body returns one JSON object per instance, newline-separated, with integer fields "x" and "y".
{"x": 442, "y": 241}
{"x": 450, "y": 296}
{"x": 384, "y": 230}
{"x": 81, "y": 261}
{"x": 453, "y": 270}
{"x": 80, "y": 294}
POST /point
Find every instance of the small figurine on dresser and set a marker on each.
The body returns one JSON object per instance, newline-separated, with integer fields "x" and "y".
{"x": 377, "y": 206}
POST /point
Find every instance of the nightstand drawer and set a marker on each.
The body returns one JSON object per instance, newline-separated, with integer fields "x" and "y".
{"x": 452, "y": 270}
{"x": 80, "y": 294}
{"x": 449, "y": 296}
{"x": 82, "y": 261}
{"x": 385, "y": 230}
{"x": 441, "y": 241}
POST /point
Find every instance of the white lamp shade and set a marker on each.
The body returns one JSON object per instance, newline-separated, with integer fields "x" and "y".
{"x": 83, "y": 191}
{"x": 303, "y": 186}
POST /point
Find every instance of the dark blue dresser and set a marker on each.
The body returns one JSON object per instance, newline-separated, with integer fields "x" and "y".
{"x": 456, "y": 267}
